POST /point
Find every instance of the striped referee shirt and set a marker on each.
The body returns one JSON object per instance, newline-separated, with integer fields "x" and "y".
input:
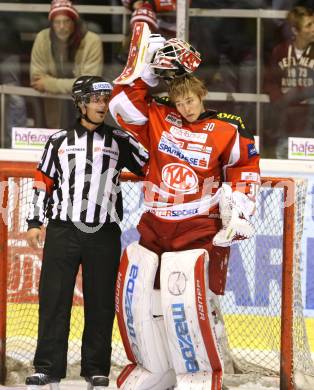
{"x": 77, "y": 178}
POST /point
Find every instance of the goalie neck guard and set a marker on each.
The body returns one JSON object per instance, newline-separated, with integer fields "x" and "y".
{"x": 176, "y": 58}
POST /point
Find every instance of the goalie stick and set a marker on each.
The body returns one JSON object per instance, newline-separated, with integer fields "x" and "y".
{"x": 137, "y": 54}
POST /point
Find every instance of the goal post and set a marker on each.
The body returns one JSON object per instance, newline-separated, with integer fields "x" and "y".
{"x": 262, "y": 308}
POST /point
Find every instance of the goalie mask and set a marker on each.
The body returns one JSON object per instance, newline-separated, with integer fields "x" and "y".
{"x": 176, "y": 58}
{"x": 89, "y": 88}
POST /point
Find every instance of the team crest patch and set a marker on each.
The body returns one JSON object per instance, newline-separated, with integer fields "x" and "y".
{"x": 179, "y": 177}
{"x": 174, "y": 120}
{"x": 251, "y": 150}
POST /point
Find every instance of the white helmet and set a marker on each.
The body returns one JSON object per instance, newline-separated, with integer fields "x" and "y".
{"x": 177, "y": 56}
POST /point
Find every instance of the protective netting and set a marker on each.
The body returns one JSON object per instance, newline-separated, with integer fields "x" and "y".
{"x": 251, "y": 306}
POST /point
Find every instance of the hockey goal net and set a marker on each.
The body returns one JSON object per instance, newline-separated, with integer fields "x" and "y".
{"x": 262, "y": 308}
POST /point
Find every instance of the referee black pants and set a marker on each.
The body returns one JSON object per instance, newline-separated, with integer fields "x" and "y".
{"x": 66, "y": 247}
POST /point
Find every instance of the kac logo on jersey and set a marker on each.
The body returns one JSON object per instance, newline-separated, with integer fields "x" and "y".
{"x": 251, "y": 150}
{"x": 179, "y": 177}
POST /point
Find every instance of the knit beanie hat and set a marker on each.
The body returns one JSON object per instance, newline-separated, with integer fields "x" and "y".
{"x": 62, "y": 7}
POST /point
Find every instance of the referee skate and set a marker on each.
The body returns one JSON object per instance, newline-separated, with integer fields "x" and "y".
{"x": 38, "y": 381}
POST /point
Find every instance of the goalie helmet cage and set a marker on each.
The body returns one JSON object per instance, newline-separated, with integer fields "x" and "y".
{"x": 263, "y": 314}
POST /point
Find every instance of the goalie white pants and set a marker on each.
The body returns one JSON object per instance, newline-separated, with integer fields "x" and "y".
{"x": 171, "y": 337}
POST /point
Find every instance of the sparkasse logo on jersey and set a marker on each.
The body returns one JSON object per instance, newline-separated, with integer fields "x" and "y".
{"x": 193, "y": 158}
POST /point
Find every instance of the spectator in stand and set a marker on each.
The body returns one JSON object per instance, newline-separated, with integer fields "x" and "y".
{"x": 146, "y": 10}
{"x": 290, "y": 81}
{"x": 11, "y": 74}
{"x": 60, "y": 54}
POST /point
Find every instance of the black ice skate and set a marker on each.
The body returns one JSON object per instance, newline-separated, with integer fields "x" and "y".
{"x": 36, "y": 381}
{"x": 97, "y": 382}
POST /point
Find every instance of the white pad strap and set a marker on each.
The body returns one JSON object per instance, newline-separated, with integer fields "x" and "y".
{"x": 193, "y": 334}
{"x": 143, "y": 334}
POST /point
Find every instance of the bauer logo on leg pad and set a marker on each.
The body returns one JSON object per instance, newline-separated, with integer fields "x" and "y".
{"x": 184, "y": 338}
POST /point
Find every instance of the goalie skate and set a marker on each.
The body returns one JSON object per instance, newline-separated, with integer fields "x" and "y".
{"x": 38, "y": 381}
{"x": 137, "y": 54}
{"x": 97, "y": 382}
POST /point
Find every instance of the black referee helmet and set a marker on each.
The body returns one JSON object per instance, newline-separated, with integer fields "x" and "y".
{"x": 85, "y": 86}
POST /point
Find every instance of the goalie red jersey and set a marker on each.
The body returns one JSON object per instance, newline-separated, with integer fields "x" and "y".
{"x": 188, "y": 161}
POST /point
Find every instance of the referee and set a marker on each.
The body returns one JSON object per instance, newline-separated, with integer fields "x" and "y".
{"x": 77, "y": 189}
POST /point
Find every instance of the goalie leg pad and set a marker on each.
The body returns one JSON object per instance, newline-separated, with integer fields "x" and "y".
{"x": 143, "y": 334}
{"x": 199, "y": 380}
{"x": 136, "y": 377}
{"x": 192, "y": 330}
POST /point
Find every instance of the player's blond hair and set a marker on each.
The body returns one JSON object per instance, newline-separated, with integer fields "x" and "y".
{"x": 182, "y": 86}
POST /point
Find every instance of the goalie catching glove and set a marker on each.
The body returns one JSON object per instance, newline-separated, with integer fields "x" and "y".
{"x": 235, "y": 211}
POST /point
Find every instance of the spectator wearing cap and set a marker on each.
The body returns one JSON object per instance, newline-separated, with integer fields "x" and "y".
{"x": 158, "y": 14}
{"x": 60, "y": 54}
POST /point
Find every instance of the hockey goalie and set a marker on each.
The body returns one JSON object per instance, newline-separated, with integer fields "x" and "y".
{"x": 199, "y": 192}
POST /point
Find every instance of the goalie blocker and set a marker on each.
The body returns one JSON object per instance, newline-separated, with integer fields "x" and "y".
{"x": 151, "y": 57}
{"x": 171, "y": 339}
{"x": 137, "y": 57}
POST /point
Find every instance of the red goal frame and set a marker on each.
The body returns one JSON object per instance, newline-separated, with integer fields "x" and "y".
{"x": 27, "y": 169}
